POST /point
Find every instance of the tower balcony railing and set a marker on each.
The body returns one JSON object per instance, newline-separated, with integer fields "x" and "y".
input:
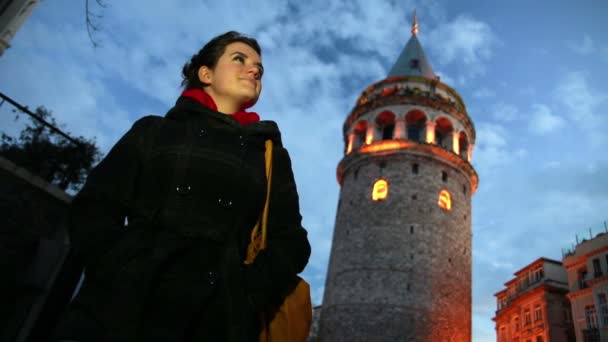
{"x": 406, "y": 86}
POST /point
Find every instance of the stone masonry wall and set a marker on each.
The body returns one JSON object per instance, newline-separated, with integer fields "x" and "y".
{"x": 400, "y": 269}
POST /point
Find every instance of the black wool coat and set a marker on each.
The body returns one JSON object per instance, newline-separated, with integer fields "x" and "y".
{"x": 163, "y": 223}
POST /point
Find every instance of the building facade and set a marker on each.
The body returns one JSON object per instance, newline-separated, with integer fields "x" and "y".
{"x": 400, "y": 263}
{"x": 587, "y": 267}
{"x": 13, "y": 14}
{"x": 534, "y": 306}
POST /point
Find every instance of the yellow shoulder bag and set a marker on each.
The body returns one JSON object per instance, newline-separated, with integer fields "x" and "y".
{"x": 292, "y": 321}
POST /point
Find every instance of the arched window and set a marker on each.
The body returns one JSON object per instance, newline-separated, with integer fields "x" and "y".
{"x": 445, "y": 200}
{"x": 380, "y": 190}
{"x": 415, "y": 121}
{"x": 385, "y": 122}
{"x": 463, "y": 144}
{"x": 443, "y": 132}
{"x": 360, "y": 131}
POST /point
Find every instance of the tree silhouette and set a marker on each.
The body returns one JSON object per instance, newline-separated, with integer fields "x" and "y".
{"x": 52, "y": 157}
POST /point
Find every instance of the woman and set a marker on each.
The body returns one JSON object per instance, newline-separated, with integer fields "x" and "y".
{"x": 191, "y": 187}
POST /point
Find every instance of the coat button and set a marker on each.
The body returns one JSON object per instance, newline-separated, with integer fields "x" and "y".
{"x": 242, "y": 140}
{"x": 212, "y": 278}
{"x": 224, "y": 203}
{"x": 183, "y": 189}
{"x": 201, "y": 133}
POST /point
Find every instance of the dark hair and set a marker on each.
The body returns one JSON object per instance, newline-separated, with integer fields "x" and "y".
{"x": 210, "y": 54}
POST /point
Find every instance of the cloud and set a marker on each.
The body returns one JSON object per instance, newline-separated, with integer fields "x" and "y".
{"x": 484, "y": 93}
{"x": 568, "y": 178}
{"x": 65, "y": 86}
{"x": 543, "y": 121}
{"x": 504, "y": 112}
{"x": 584, "y": 47}
{"x": 465, "y": 40}
{"x": 582, "y": 103}
{"x": 491, "y": 149}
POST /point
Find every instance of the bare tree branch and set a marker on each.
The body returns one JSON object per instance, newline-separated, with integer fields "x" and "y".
{"x": 91, "y": 20}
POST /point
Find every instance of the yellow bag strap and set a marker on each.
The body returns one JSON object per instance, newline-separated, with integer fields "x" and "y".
{"x": 258, "y": 233}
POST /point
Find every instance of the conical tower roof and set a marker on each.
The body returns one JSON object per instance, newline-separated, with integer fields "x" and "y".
{"x": 412, "y": 61}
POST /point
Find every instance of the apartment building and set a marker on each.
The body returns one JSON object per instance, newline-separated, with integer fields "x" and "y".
{"x": 587, "y": 269}
{"x": 533, "y": 306}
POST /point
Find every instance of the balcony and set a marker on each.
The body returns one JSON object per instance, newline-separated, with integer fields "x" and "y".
{"x": 591, "y": 335}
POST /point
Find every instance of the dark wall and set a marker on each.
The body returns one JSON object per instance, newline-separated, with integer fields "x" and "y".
{"x": 36, "y": 280}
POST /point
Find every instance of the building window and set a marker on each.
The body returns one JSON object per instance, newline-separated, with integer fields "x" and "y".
{"x": 582, "y": 278}
{"x": 601, "y": 298}
{"x": 414, "y": 64}
{"x": 538, "y": 274}
{"x": 380, "y": 190}
{"x": 597, "y": 269}
{"x": 527, "y": 317}
{"x": 387, "y": 132}
{"x": 516, "y": 324}
{"x": 445, "y": 200}
{"x": 538, "y": 313}
{"x": 415, "y": 169}
{"x": 503, "y": 334}
{"x": 385, "y": 121}
{"x": 567, "y": 314}
{"x": 360, "y": 132}
{"x": 444, "y": 176}
{"x": 591, "y": 317}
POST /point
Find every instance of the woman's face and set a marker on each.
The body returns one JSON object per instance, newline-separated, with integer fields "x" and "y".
{"x": 236, "y": 81}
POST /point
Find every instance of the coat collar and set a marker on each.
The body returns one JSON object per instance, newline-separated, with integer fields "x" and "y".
{"x": 189, "y": 110}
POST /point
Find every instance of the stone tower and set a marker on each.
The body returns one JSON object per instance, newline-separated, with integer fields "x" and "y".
{"x": 400, "y": 264}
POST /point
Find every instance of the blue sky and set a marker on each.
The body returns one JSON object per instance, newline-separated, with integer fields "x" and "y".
{"x": 532, "y": 76}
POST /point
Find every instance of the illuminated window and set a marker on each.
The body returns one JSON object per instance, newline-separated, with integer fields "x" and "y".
{"x": 380, "y": 190}
{"x": 445, "y": 200}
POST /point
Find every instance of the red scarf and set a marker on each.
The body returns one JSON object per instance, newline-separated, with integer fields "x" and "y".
{"x": 205, "y": 99}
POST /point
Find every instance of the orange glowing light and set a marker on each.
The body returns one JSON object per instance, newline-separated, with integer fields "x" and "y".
{"x": 445, "y": 200}
{"x": 380, "y": 190}
{"x": 385, "y": 145}
{"x": 369, "y": 135}
{"x": 430, "y": 133}
{"x": 349, "y": 148}
{"x": 456, "y": 142}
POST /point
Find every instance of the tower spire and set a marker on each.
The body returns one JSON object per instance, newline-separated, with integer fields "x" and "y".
{"x": 415, "y": 24}
{"x": 413, "y": 61}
